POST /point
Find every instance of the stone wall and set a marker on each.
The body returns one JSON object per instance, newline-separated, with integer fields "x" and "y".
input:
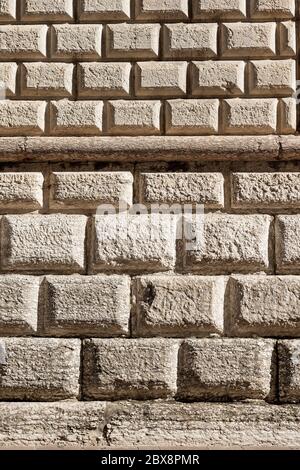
{"x": 157, "y": 328}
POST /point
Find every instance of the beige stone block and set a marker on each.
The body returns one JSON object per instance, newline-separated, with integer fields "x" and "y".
{"x": 88, "y": 190}
{"x": 265, "y": 190}
{"x": 39, "y": 369}
{"x": 227, "y": 243}
{"x": 140, "y": 117}
{"x": 87, "y": 305}
{"x": 192, "y": 117}
{"x": 190, "y": 41}
{"x": 218, "y": 78}
{"x": 287, "y": 229}
{"x": 22, "y": 117}
{"x": 249, "y": 116}
{"x": 161, "y": 78}
{"x": 129, "y": 368}
{"x": 248, "y": 40}
{"x": 43, "y": 242}
{"x": 76, "y": 41}
{"x": 182, "y": 188}
{"x": 76, "y": 117}
{"x": 99, "y": 79}
{"x": 218, "y": 369}
{"x": 47, "y": 79}
{"x": 178, "y": 306}
{"x": 138, "y": 41}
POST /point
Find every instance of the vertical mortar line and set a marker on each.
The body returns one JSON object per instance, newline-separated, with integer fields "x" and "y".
{"x": 46, "y": 189}
{"x": 80, "y": 392}
{"x": 19, "y": 9}
{"x": 89, "y": 244}
{"x": 76, "y": 10}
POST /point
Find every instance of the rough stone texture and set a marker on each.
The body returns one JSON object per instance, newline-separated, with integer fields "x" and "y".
{"x": 23, "y": 41}
{"x": 43, "y": 242}
{"x": 76, "y": 41}
{"x": 168, "y": 425}
{"x": 272, "y": 77}
{"x": 132, "y": 243}
{"x": 178, "y": 306}
{"x": 89, "y": 190}
{"x": 65, "y": 425}
{"x": 139, "y": 41}
{"x": 287, "y": 229}
{"x": 264, "y": 306}
{"x": 52, "y": 10}
{"x": 104, "y": 10}
{"x": 89, "y": 305}
{"x": 8, "y": 77}
{"x": 182, "y": 188}
{"x": 165, "y": 10}
{"x": 161, "y": 78}
{"x": 8, "y": 10}
{"x": 105, "y": 79}
{"x": 265, "y": 190}
{"x": 263, "y": 9}
{"x": 76, "y": 117}
{"x": 143, "y": 368}
{"x": 134, "y": 117}
{"x": 221, "y": 78}
{"x": 22, "y": 117}
{"x": 190, "y": 40}
{"x": 216, "y": 369}
{"x": 41, "y": 79}
{"x": 249, "y": 116}
{"x": 171, "y": 103}
{"x": 289, "y": 370}
{"x": 42, "y": 369}
{"x": 248, "y": 40}
{"x": 227, "y": 243}
{"x": 21, "y": 191}
{"x": 18, "y": 304}
{"x": 223, "y": 9}
{"x": 192, "y": 117}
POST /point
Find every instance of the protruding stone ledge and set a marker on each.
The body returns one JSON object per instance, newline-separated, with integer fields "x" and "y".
{"x": 141, "y": 149}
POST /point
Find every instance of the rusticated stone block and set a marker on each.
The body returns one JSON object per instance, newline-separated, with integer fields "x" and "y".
{"x": 178, "y": 306}
{"x": 214, "y": 369}
{"x": 43, "y": 242}
{"x": 39, "y": 369}
{"x": 87, "y": 305}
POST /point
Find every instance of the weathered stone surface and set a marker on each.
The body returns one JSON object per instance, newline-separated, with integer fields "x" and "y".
{"x": 178, "y": 306}
{"x": 21, "y": 190}
{"x": 65, "y": 425}
{"x": 43, "y": 369}
{"x": 87, "y": 305}
{"x": 264, "y": 306}
{"x": 168, "y": 425}
{"x": 43, "y": 242}
{"x": 161, "y": 148}
{"x": 134, "y": 243}
{"x": 129, "y": 368}
{"x": 90, "y": 189}
{"x": 265, "y": 190}
{"x": 214, "y": 369}
{"x": 287, "y": 229}
{"x": 18, "y": 304}
{"x": 182, "y": 188}
{"x": 289, "y": 370}
{"x": 227, "y": 243}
